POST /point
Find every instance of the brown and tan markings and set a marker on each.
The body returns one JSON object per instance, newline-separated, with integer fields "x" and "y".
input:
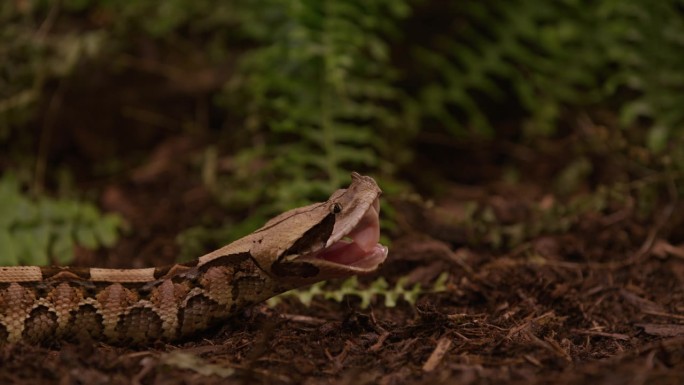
{"x": 331, "y": 239}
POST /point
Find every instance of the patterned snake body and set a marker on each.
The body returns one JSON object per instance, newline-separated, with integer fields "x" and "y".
{"x": 331, "y": 239}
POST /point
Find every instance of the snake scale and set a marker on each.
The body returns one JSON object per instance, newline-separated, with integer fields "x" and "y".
{"x": 331, "y": 239}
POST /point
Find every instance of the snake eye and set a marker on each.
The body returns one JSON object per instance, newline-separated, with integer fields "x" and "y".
{"x": 336, "y": 208}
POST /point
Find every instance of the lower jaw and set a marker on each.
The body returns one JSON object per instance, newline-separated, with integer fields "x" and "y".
{"x": 373, "y": 259}
{"x": 351, "y": 258}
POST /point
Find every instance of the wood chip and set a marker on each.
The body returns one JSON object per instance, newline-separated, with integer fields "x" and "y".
{"x": 617, "y": 336}
{"x": 303, "y": 319}
{"x": 662, "y": 314}
{"x": 663, "y": 330}
{"x": 643, "y": 304}
{"x": 435, "y": 358}
{"x": 381, "y": 340}
{"x": 663, "y": 248}
{"x": 532, "y": 360}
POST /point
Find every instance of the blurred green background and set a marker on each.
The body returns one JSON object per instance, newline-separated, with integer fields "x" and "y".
{"x": 286, "y": 97}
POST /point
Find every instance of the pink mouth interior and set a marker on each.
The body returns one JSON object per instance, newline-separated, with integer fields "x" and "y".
{"x": 361, "y": 248}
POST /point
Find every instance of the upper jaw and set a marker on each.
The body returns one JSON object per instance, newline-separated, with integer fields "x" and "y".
{"x": 369, "y": 212}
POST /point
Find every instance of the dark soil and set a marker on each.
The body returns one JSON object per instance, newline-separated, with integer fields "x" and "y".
{"x": 601, "y": 303}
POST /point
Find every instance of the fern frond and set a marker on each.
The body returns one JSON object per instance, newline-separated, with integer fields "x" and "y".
{"x": 379, "y": 287}
{"x": 320, "y": 89}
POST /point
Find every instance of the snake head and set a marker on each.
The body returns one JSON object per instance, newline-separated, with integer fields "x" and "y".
{"x": 332, "y": 239}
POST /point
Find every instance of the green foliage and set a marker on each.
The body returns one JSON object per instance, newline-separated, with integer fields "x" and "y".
{"x": 552, "y": 56}
{"x": 351, "y": 287}
{"x": 535, "y": 54}
{"x": 484, "y": 227}
{"x": 325, "y": 87}
{"x": 318, "y": 92}
{"x": 644, "y": 43}
{"x": 319, "y": 74}
{"x": 44, "y": 230}
{"x": 319, "y": 99}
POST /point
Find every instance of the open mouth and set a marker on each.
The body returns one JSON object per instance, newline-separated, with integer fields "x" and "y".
{"x": 356, "y": 248}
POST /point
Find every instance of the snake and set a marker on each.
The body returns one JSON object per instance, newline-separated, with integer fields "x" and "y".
{"x": 336, "y": 238}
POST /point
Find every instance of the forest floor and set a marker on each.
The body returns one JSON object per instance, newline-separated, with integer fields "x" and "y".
{"x": 601, "y": 303}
